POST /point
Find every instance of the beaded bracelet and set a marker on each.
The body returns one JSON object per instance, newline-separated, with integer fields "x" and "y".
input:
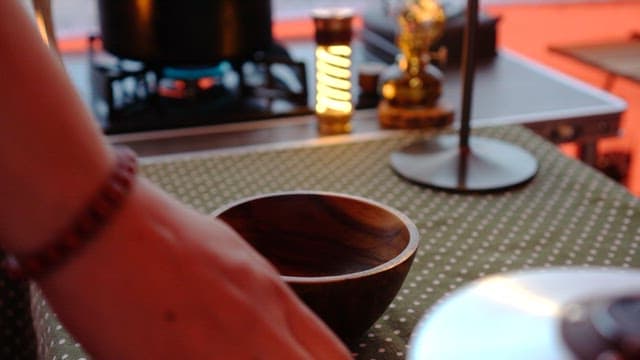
{"x": 96, "y": 214}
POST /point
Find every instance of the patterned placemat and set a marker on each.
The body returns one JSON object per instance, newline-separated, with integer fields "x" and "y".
{"x": 17, "y": 338}
{"x": 568, "y": 215}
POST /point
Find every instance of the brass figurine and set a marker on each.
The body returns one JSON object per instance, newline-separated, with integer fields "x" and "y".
{"x": 411, "y": 89}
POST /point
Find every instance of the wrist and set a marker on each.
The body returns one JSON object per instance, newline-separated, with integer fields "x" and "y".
{"x": 86, "y": 224}
{"x": 41, "y": 199}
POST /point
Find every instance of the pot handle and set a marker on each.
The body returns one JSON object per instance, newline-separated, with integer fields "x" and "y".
{"x": 44, "y": 20}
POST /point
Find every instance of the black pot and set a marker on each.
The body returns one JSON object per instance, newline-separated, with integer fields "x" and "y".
{"x": 185, "y": 32}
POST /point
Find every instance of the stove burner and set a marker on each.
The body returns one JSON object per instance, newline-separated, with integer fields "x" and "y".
{"x": 130, "y": 96}
{"x": 183, "y": 83}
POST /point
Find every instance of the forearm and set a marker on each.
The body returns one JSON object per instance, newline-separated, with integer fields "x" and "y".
{"x": 52, "y": 154}
{"x": 104, "y": 288}
{"x": 159, "y": 281}
{"x": 164, "y": 282}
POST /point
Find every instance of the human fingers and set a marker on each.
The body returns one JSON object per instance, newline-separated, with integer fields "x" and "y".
{"x": 291, "y": 327}
{"x": 312, "y": 333}
{"x": 306, "y": 328}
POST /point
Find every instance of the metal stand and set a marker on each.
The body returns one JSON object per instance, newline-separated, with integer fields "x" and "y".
{"x": 472, "y": 165}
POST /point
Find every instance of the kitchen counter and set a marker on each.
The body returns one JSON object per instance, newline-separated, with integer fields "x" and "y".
{"x": 509, "y": 89}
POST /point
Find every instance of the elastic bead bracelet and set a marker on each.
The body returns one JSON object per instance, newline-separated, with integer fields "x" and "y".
{"x": 96, "y": 214}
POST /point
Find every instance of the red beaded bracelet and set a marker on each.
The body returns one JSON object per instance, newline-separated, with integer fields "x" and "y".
{"x": 86, "y": 225}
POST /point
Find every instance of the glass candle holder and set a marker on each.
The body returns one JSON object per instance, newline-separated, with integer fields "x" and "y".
{"x": 333, "y": 106}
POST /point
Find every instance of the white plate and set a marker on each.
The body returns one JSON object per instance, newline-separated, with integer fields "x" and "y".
{"x": 513, "y": 315}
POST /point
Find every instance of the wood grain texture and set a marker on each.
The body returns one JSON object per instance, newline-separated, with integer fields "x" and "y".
{"x": 346, "y": 257}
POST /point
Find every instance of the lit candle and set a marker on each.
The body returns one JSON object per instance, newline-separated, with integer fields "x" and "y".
{"x": 333, "y": 106}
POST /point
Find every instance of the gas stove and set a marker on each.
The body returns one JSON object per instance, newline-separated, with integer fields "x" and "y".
{"x": 130, "y": 96}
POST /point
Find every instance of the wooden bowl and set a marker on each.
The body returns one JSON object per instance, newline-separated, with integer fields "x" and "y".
{"x": 346, "y": 257}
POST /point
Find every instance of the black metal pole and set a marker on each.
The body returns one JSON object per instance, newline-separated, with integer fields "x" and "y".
{"x": 468, "y": 70}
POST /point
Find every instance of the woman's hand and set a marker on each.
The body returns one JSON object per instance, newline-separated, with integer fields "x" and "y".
{"x": 164, "y": 282}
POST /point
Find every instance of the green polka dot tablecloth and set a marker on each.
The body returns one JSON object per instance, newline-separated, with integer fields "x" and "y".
{"x": 17, "y": 338}
{"x": 569, "y": 215}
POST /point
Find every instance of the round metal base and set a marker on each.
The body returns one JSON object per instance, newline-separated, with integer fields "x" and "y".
{"x": 489, "y": 165}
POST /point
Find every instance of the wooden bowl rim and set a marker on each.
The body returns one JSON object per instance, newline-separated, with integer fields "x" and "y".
{"x": 404, "y": 255}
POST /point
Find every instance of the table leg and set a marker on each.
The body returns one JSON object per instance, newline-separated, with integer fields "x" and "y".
{"x": 608, "y": 81}
{"x": 588, "y": 152}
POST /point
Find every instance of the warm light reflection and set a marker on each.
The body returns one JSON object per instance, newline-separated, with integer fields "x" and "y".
{"x": 343, "y": 96}
{"x": 328, "y": 105}
{"x": 514, "y": 294}
{"x": 333, "y": 80}
{"x": 42, "y": 12}
{"x": 42, "y": 28}
{"x": 334, "y": 55}
{"x": 342, "y": 50}
{"x": 206, "y": 82}
{"x": 328, "y": 70}
{"x": 143, "y": 8}
{"x": 144, "y": 14}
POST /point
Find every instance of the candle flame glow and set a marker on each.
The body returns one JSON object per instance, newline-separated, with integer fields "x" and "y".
{"x": 333, "y": 80}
